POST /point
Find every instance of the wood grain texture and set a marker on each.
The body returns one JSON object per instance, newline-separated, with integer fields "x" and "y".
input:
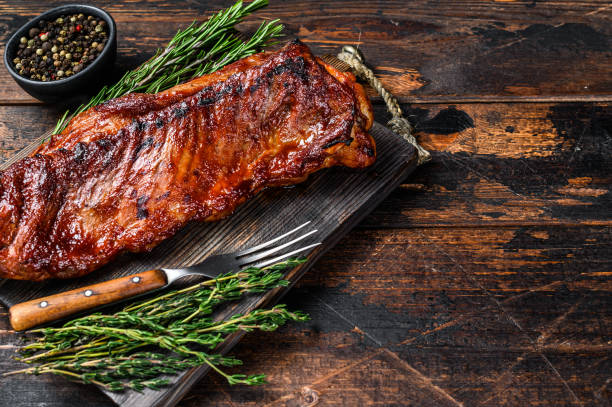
{"x": 442, "y": 270}
{"x": 508, "y": 164}
{"x": 455, "y": 50}
{"x": 425, "y": 316}
{"x": 43, "y": 310}
{"x": 484, "y": 280}
{"x": 333, "y": 200}
{"x": 483, "y": 153}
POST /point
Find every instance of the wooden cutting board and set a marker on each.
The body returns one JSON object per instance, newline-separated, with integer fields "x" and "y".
{"x": 335, "y": 200}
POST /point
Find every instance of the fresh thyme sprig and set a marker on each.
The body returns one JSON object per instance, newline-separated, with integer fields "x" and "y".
{"x": 194, "y": 51}
{"x": 116, "y": 351}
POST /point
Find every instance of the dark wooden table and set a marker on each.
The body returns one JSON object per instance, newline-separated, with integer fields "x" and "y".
{"x": 484, "y": 279}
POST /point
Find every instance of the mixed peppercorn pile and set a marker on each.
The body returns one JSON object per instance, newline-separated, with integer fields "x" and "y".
{"x": 60, "y": 48}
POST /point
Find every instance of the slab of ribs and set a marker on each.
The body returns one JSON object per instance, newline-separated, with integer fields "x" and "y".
{"x": 127, "y": 174}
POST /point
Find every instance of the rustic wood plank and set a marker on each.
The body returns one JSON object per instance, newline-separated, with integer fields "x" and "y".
{"x": 483, "y": 154}
{"x": 22, "y": 125}
{"x": 429, "y": 298}
{"x": 334, "y": 201}
{"x": 458, "y": 50}
{"x": 379, "y": 293}
{"x": 485, "y": 278}
{"x": 505, "y": 164}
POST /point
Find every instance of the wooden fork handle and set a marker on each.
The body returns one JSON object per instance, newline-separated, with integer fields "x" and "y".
{"x": 36, "y": 312}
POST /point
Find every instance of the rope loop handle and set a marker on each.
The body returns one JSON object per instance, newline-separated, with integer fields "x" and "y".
{"x": 398, "y": 123}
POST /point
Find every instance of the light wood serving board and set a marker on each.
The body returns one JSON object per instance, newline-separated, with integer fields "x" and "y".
{"x": 335, "y": 200}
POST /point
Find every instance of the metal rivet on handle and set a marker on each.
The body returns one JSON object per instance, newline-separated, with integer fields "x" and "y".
{"x": 88, "y": 293}
{"x": 43, "y": 304}
{"x": 136, "y": 279}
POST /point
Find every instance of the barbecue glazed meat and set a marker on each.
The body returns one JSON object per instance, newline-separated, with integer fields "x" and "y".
{"x": 130, "y": 173}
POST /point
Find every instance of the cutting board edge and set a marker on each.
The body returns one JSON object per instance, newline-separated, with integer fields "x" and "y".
{"x": 174, "y": 394}
{"x": 402, "y": 164}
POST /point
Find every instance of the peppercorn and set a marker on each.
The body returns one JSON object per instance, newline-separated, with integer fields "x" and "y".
{"x": 67, "y": 44}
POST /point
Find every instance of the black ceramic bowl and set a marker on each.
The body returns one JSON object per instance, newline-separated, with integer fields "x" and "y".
{"x": 77, "y": 85}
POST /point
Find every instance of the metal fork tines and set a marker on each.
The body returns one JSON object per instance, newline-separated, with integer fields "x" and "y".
{"x": 257, "y": 256}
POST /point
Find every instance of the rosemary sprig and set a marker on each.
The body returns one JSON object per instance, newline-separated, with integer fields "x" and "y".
{"x": 194, "y": 51}
{"x": 116, "y": 351}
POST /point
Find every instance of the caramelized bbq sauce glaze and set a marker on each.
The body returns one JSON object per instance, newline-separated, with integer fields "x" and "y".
{"x": 130, "y": 173}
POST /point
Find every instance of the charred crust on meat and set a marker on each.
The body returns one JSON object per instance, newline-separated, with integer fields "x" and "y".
{"x": 253, "y": 88}
{"x": 181, "y": 111}
{"x": 206, "y": 101}
{"x": 142, "y": 212}
{"x": 295, "y": 66}
{"x": 80, "y": 149}
{"x": 138, "y": 125}
{"x": 219, "y": 95}
{"x": 146, "y": 143}
{"x": 104, "y": 143}
{"x": 334, "y": 142}
{"x": 180, "y": 162}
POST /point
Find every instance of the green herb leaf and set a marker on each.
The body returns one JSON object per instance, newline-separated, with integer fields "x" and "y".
{"x": 195, "y": 51}
{"x": 135, "y": 347}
